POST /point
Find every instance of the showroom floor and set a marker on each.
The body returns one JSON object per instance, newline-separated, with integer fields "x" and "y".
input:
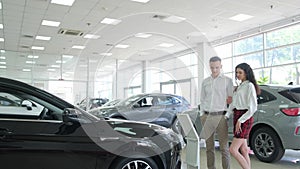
{"x": 291, "y": 160}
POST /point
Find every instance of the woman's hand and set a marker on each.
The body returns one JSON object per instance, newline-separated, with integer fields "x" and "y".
{"x": 238, "y": 128}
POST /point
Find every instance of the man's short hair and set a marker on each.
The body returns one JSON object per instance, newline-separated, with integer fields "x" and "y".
{"x": 214, "y": 59}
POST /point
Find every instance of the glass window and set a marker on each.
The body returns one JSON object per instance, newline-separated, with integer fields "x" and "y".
{"x": 283, "y": 36}
{"x": 255, "y": 60}
{"x": 283, "y": 55}
{"x": 227, "y": 65}
{"x": 224, "y": 51}
{"x": 251, "y": 44}
{"x": 265, "y": 97}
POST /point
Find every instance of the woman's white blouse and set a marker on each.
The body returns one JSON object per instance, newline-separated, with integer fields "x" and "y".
{"x": 244, "y": 98}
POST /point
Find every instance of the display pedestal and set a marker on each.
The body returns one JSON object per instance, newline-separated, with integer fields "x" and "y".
{"x": 192, "y": 157}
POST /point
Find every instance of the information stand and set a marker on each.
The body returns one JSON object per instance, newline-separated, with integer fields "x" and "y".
{"x": 193, "y": 142}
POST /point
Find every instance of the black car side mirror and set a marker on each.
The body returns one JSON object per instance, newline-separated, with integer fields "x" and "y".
{"x": 70, "y": 116}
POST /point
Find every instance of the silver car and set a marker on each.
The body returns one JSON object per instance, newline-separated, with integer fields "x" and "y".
{"x": 276, "y": 123}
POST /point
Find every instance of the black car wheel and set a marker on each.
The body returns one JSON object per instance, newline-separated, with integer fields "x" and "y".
{"x": 266, "y": 145}
{"x": 129, "y": 163}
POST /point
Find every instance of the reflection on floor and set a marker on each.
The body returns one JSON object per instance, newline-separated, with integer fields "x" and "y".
{"x": 290, "y": 160}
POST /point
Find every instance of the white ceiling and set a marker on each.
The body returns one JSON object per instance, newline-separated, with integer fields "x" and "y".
{"x": 22, "y": 19}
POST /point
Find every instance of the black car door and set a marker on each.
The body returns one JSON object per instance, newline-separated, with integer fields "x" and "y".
{"x": 29, "y": 141}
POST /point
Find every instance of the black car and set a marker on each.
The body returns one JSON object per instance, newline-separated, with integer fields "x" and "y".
{"x": 63, "y": 136}
{"x": 157, "y": 108}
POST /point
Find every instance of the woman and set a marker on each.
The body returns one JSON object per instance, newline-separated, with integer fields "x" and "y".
{"x": 244, "y": 105}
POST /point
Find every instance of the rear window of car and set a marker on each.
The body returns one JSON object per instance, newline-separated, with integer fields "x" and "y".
{"x": 292, "y": 94}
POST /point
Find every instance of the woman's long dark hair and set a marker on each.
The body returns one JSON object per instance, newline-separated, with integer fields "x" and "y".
{"x": 249, "y": 75}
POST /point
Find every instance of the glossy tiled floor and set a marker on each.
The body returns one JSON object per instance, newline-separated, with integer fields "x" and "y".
{"x": 291, "y": 160}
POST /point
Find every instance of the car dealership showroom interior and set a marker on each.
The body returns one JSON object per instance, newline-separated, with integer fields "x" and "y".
{"x": 118, "y": 84}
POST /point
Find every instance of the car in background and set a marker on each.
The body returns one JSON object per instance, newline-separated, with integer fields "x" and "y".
{"x": 276, "y": 124}
{"x": 93, "y": 103}
{"x": 63, "y": 136}
{"x": 157, "y": 108}
{"x": 111, "y": 103}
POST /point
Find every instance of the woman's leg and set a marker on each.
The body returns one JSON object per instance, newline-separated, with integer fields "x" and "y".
{"x": 245, "y": 152}
{"x": 234, "y": 150}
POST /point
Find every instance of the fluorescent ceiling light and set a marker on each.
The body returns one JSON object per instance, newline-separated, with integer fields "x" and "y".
{"x": 51, "y": 70}
{"x": 67, "y": 56}
{"x": 50, "y": 23}
{"x": 2, "y": 57}
{"x": 141, "y": 1}
{"x": 0, "y": 5}
{"x": 33, "y": 57}
{"x": 2, "y": 63}
{"x": 30, "y": 62}
{"x": 2, "y": 67}
{"x": 59, "y": 61}
{"x": 38, "y": 48}
{"x": 241, "y": 17}
{"x": 142, "y": 35}
{"x": 91, "y": 36}
{"x": 43, "y": 37}
{"x": 26, "y": 70}
{"x": 1, "y": 26}
{"x": 56, "y": 66}
{"x": 2, "y": 51}
{"x": 166, "y": 45}
{"x": 110, "y": 21}
{"x": 174, "y": 19}
{"x": 63, "y": 2}
{"x": 106, "y": 54}
{"x": 1, "y": 39}
{"x": 122, "y": 46}
{"x": 78, "y": 47}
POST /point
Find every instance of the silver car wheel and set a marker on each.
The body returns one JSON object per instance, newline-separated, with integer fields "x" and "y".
{"x": 264, "y": 145}
{"x": 137, "y": 164}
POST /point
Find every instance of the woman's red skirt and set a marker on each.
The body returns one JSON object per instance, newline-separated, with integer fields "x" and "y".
{"x": 246, "y": 126}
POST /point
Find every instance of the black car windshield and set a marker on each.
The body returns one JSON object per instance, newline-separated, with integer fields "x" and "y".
{"x": 129, "y": 100}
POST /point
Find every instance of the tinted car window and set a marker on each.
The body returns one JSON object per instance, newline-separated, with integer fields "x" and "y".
{"x": 265, "y": 97}
{"x": 291, "y": 94}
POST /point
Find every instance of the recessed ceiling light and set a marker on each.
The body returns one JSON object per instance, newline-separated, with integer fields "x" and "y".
{"x": 91, "y": 36}
{"x": 110, "y": 21}
{"x": 2, "y": 51}
{"x": 30, "y": 62}
{"x": 67, "y": 56}
{"x": 33, "y": 57}
{"x": 142, "y": 35}
{"x": 174, "y": 19}
{"x": 2, "y": 63}
{"x": 2, "y": 67}
{"x": 78, "y": 47}
{"x": 122, "y": 46}
{"x": 2, "y": 57}
{"x": 0, "y": 5}
{"x": 82, "y": 65}
{"x": 63, "y": 2}
{"x": 50, "y": 23}
{"x": 38, "y": 48}
{"x": 141, "y": 1}
{"x": 1, "y": 26}
{"x": 43, "y": 37}
{"x": 106, "y": 54}
{"x": 166, "y": 45}
{"x": 1, "y": 39}
{"x": 241, "y": 17}
{"x": 26, "y": 70}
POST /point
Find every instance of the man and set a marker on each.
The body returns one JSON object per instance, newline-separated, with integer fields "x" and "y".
{"x": 216, "y": 93}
